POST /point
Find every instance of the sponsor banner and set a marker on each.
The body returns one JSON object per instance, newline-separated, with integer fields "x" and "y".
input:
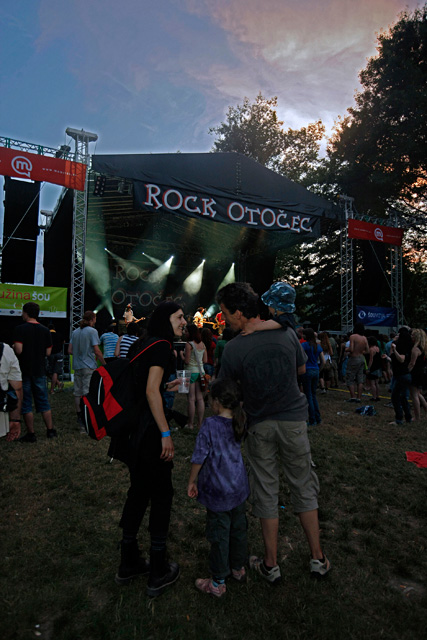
{"x": 19, "y": 164}
{"x": 377, "y": 316}
{"x": 149, "y": 196}
{"x": 52, "y": 300}
{"x": 379, "y": 233}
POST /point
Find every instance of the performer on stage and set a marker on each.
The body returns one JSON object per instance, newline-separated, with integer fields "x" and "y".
{"x": 219, "y": 322}
{"x": 198, "y": 317}
{"x": 128, "y": 315}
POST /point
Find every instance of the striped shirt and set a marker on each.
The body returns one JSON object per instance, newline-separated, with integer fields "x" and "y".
{"x": 109, "y": 341}
{"x": 125, "y": 344}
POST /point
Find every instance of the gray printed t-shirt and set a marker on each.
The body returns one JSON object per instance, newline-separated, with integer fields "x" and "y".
{"x": 83, "y": 341}
{"x": 266, "y": 364}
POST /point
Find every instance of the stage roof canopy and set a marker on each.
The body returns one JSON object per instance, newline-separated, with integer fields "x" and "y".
{"x": 223, "y": 187}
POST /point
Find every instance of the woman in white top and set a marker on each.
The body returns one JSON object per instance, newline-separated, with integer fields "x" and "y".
{"x": 195, "y": 358}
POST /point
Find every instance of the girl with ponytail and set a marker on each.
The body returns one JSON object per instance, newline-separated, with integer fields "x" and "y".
{"x": 218, "y": 480}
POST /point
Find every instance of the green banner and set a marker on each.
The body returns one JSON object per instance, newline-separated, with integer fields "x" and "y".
{"x": 52, "y": 300}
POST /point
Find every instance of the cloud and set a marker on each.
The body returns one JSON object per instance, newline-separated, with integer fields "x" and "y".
{"x": 182, "y": 62}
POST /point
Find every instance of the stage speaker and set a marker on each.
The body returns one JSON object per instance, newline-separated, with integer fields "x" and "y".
{"x": 20, "y": 230}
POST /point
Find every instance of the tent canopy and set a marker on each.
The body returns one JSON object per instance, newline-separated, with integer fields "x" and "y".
{"x": 224, "y": 187}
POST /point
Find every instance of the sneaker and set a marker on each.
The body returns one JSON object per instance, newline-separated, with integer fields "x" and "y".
{"x": 239, "y": 574}
{"x": 51, "y": 433}
{"x": 319, "y": 569}
{"x": 273, "y": 575}
{"x": 206, "y": 585}
{"x": 29, "y": 437}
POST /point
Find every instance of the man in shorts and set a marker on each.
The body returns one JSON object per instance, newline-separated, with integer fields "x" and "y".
{"x": 84, "y": 347}
{"x": 32, "y": 343}
{"x": 267, "y": 364}
{"x": 356, "y": 362}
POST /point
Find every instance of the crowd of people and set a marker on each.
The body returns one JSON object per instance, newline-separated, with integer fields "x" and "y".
{"x": 264, "y": 377}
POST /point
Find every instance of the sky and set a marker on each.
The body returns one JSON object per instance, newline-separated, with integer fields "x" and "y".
{"x": 153, "y": 76}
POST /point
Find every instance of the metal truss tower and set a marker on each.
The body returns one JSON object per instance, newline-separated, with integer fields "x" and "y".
{"x": 396, "y": 281}
{"x": 346, "y": 244}
{"x": 77, "y": 293}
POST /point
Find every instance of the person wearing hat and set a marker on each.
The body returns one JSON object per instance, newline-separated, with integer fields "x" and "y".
{"x": 128, "y": 314}
{"x": 280, "y": 300}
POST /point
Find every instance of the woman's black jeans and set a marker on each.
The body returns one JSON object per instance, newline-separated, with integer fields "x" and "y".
{"x": 151, "y": 482}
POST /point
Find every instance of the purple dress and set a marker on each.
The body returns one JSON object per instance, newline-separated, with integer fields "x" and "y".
{"x": 223, "y": 481}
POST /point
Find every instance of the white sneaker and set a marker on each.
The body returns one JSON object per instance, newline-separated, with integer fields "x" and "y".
{"x": 319, "y": 569}
{"x": 273, "y": 575}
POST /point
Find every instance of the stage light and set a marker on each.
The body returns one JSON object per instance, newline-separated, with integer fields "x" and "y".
{"x": 230, "y": 276}
{"x": 193, "y": 283}
{"x": 155, "y": 261}
{"x": 161, "y": 272}
{"x": 99, "y": 187}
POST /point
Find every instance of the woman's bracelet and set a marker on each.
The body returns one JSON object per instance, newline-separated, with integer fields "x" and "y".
{"x": 165, "y": 434}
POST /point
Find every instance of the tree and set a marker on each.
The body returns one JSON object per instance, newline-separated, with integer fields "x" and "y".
{"x": 378, "y": 151}
{"x": 256, "y": 131}
{"x": 251, "y": 129}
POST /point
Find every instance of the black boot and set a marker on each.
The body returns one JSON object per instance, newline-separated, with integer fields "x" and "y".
{"x": 162, "y": 573}
{"x": 131, "y": 564}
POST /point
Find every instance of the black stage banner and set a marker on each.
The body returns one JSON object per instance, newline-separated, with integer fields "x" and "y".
{"x": 223, "y": 187}
{"x": 162, "y": 198}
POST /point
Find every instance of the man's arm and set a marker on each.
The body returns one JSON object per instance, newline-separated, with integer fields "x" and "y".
{"x": 17, "y": 347}
{"x": 70, "y": 349}
{"x": 98, "y": 354}
{"x": 260, "y": 325}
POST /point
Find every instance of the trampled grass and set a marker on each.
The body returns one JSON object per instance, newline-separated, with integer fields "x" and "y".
{"x": 61, "y": 502}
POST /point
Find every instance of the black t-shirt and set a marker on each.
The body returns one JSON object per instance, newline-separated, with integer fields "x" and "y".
{"x": 35, "y": 339}
{"x": 57, "y": 342}
{"x": 159, "y": 354}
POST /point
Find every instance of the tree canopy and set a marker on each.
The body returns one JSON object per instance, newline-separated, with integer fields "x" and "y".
{"x": 255, "y": 130}
{"x": 378, "y": 151}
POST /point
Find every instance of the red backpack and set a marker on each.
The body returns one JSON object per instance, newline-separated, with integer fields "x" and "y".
{"x": 113, "y": 403}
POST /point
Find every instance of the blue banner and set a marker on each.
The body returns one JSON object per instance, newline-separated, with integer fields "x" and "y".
{"x": 377, "y": 316}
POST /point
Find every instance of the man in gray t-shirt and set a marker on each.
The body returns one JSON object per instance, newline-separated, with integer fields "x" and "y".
{"x": 267, "y": 364}
{"x": 84, "y": 347}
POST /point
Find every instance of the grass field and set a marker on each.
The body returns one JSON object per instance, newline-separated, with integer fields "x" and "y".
{"x": 61, "y": 501}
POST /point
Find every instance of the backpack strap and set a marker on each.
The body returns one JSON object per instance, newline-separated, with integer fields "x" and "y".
{"x": 147, "y": 347}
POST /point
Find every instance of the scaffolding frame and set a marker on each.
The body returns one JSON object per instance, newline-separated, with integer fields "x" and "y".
{"x": 347, "y": 268}
{"x": 78, "y": 258}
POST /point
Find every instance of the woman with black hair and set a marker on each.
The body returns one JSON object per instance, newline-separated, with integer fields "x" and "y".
{"x": 148, "y": 451}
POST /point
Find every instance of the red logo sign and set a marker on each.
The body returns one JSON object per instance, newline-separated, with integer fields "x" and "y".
{"x": 19, "y": 164}
{"x": 369, "y": 231}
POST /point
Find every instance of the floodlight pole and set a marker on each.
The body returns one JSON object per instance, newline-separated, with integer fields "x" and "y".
{"x": 77, "y": 293}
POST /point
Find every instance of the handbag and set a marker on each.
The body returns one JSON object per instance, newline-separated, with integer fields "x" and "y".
{"x": 202, "y": 380}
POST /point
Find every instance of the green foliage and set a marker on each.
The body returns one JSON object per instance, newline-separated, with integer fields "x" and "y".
{"x": 378, "y": 151}
{"x": 251, "y": 129}
{"x": 255, "y": 130}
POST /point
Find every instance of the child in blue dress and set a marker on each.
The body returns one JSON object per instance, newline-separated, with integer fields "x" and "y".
{"x": 219, "y": 481}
